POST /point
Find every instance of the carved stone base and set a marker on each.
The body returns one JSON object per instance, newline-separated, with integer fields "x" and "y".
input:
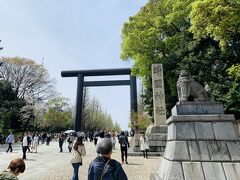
{"x": 193, "y": 108}
{"x": 156, "y": 138}
{"x": 200, "y": 147}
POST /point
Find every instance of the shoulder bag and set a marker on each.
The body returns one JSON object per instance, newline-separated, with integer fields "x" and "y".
{"x": 104, "y": 169}
{"x": 80, "y": 157}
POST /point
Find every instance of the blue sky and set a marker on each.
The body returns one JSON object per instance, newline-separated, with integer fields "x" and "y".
{"x": 71, "y": 35}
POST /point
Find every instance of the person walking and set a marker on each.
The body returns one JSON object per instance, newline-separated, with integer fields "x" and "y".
{"x": 61, "y": 140}
{"x": 70, "y": 140}
{"x": 1, "y": 139}
{"x": 10, "y": 139}
{"x": 48, "y": 139}
{"x": 144, "y": 146}
{"x": 35, "y": 142}
{"x": 15, "y": 167}
{"x": 114, "y": 140}
{"x": 24, "y": 145}
{"x": 78, "y": 151}
{"x": 124, "y": 145}
{"x": 103, "y": 167}
{"x": 95, "y": 138}
{"x": 29, "y": 139}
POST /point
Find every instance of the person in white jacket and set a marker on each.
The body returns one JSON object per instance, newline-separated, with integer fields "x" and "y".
{"x": 144, "y": 146}
{"x": 35, "y": 142}
{"x": 78, "y": 151}
{"x": 24, "y": 145}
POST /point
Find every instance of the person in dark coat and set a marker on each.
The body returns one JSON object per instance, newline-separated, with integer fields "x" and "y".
{"x": 103, "y": 167}
{"x": 124, "y": 145}
{"x": 61, "y": 140}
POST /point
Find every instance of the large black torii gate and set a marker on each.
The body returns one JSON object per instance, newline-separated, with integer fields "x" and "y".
{"x": 80, "y": 74}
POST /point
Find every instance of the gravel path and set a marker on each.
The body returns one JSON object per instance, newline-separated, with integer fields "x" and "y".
{"x": 49, "y": 164}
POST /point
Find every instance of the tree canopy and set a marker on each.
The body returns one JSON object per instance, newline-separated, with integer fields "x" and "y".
{"x": 27, "y": 78}
{"x": 23, "y": 83}
{"x": 10, "y": 106}
{"x": 221, "y": 20}
{"x": 185, "y": 35}
{"x": 95, "y": 117}
{"x": 59, "y": 113}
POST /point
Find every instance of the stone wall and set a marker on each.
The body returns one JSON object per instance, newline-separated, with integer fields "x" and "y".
{"x": 157, "y": 142}
{"x": 200, "y": 147}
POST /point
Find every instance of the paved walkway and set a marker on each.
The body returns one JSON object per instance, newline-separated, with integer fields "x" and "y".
{"x": 49, "y": 164}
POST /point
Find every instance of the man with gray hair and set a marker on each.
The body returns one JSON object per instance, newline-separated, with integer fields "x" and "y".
{"x": 103, "y": 167}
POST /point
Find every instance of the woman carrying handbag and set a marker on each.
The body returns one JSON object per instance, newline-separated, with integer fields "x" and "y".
{"x": 78, "y": 151}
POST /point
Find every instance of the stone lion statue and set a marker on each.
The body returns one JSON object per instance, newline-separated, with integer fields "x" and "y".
{"x": 187, "y": 87}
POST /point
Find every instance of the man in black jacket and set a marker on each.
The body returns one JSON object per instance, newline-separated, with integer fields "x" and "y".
{"x": 124, "y": 145}
{"x": 103, "y": 167}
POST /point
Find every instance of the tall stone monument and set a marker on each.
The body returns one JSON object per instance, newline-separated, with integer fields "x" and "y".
{"x": 202, "y": 143}
{"x": 157, "y": 133}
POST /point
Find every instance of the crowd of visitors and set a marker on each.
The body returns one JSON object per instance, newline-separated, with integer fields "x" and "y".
{"x": 102, "y": 167}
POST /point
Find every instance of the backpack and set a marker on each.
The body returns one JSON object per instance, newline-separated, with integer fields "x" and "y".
{"x": 69, "y": 140}
{"x": 122, "y": 141}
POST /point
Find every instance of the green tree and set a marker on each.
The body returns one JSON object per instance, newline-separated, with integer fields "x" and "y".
{"x": 59, "y": 113}
{"x": 116, "y": 127}
{"x": 94, "y": 117}
{"x": 40, "y": 123}
{"x": 10, "y": 106}
{"x": 141, "y": 118}
{"x": 160, "y": 33}
{"x": 28, "y": 79}
{"x": 218, "y": 19}
{"x": 222, "y": 23}
{"x": 153, "y": 35}
{"x": 26, "y": 116}
{"x": 86, "y": 109}
{"x": 231, "y": 98}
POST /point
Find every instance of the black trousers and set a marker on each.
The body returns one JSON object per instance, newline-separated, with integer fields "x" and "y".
{"x": 24, "y": 149}
{"x": 124, "y": 152}
{"x": 61, "y": 145}
{"x": 28, "y": 147}
{"x": 95, "y": 141}
{"x": 145, "y": 154}
{"x": 9, "y": 147}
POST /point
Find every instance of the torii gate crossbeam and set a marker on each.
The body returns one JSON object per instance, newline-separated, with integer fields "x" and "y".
{"x": 80, "y": 74}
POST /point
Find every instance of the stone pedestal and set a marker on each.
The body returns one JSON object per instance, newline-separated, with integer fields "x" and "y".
{"x": 197, "y": 108}
{"x": 156, "y": 138}
{"x": 201, "y": 146}
{"x": 237, "y": 127}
